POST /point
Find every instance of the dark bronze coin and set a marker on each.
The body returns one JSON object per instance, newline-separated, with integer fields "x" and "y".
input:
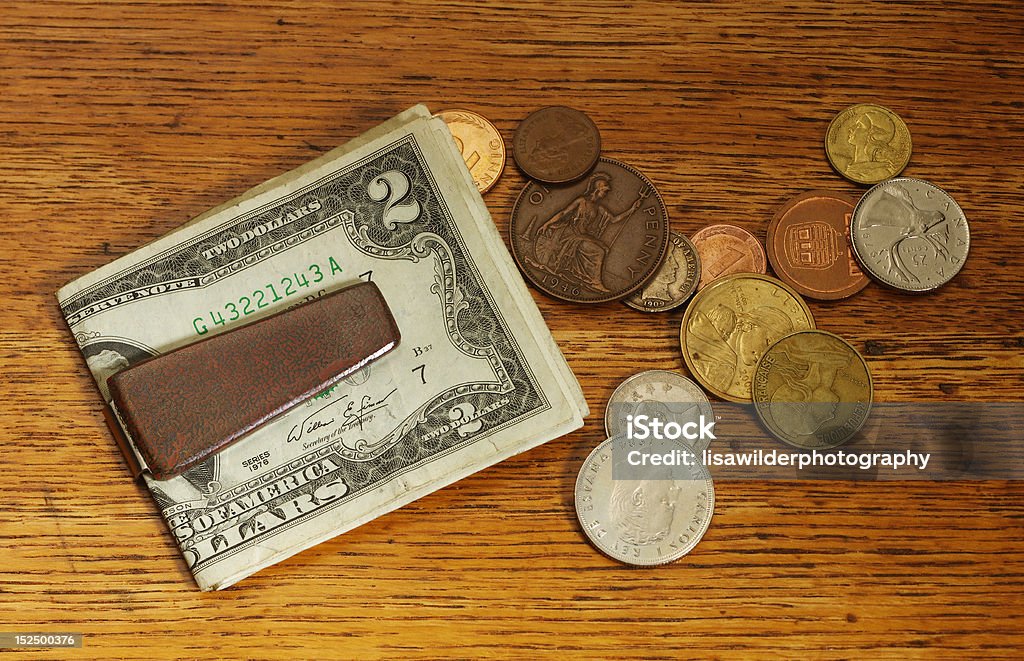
{"x": 556, "y": 145}
{"x": 593, "y": 241}
{"x": 809, "y": 246}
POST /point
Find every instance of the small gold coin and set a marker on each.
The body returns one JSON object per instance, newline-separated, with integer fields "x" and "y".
{"x": 480, "y": 143}
{"x": 730, "y": 323}
{"x": 812, "y": 390}
{"x": 868, "y": 143}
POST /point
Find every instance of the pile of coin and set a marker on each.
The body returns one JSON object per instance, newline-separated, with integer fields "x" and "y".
{"x": 589, "y": 229}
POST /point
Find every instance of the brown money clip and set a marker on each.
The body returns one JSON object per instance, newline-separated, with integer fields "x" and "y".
{"x": 180, "y": 407}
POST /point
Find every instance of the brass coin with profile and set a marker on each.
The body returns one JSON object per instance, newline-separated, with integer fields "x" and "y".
{"x": 812, "y": 390}
{"x": 868, "y": 143}
{"x": 730, "y": 323}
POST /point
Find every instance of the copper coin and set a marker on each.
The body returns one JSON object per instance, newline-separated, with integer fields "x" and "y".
{"x": 556, "y": 145}
{"x": 725, "y": 250}
{"x": 675, "y": 281}
{"x": 480, "y": 144}
{"x": 809, "y": 246}
{"x": 593, "y": 241}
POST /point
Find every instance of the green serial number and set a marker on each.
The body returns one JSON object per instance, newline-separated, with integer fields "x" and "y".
{"x": 261, "y": 298}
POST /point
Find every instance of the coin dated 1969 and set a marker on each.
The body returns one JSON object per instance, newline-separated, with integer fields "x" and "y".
{"x": 666, "y": 396}
{"x": 725, "y": 250}
{"x": 809, "y": 246}
{"x": 599, "y": 239}
{"x": 730, "y": 323}
{"x": 674, "y": 282}
{"x": 812, "y": 390}
{"x": 642, "y": 522}
{"x": 480, "y": 144}
{"x": 556, "y": 145}
{"x": 910, "y": 234}
{"x": 868, "y": 143}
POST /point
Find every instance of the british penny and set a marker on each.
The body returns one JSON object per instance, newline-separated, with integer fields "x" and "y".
{"x": 910, "y": 235}
{"x": 727, "y": 249}
{"x": 642, "y": 522}
{"x": 868, "y": 143}
{"x": 599, "y": 239}
{"x": 479, "y": 143}
{"x": 674, "y": 282}
{"x": 667, "y": 396}
{"x": 809, "y": 246}
{"x": 730, "y": 323}
{"x": 812, "y": 390}
{"x": 556, "y": 145}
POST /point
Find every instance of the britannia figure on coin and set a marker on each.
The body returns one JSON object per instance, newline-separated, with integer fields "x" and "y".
{"x": 575, "y": 234}
{"x": 643, "y": 510}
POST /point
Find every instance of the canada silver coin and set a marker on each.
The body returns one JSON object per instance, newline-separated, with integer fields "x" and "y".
{"x": 909, "y": 234}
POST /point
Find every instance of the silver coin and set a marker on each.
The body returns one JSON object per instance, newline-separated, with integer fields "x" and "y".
{"x": 667, "y": 396}
{"x": 674, "y": 282}
{"x": 909, "y": 234}
{"x": 642, "y": 522}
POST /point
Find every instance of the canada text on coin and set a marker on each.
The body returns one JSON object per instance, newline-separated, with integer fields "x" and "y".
{"x": 812, "y": 390}
{"x": 730, "y": 323}
{"x": 556, "y": 145}
{"x": 868, "y": 143}
{"x": 725, "y": 250}
{"x": 599, "y": 239}
{"x": 642, "y": 522}
{"x": 674, "y": 282}
{"x": 809, "y": 247}
{"x": 910, "y": 234}
{"x": 658, "y": 394}
{"x": 481, "y": 146}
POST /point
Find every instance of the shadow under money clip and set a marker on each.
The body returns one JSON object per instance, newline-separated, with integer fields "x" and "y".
{"x": 172, "y": 411}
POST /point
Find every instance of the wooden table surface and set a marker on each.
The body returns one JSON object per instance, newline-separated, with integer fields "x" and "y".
{"x": 122, "y": 120}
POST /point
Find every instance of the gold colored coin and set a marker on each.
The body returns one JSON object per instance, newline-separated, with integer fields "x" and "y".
{"x": 730, "y": 323}
{"x": 868, "y": 143}
{"x": 812, "y": 390}
{"x": 480, "y": 143}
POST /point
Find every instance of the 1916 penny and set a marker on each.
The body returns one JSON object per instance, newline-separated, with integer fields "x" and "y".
{"x": 675, "y": 281}
{"x": 729, "y": 325}
{"x": 812, "y": 390}
{"x": 480, "y": 144}
{"x": 597, "y": 240}
{"x": 725, "y": 250}
{"x": 556, "y": 145}
{"x": 809, "y": 246}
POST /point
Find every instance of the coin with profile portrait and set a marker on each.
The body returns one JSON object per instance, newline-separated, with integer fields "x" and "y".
{"x": 639, "y": 518}
{"x": 868, "y": 143}
{"x": 812, "y": 390}
{"x": 673, "y": 283}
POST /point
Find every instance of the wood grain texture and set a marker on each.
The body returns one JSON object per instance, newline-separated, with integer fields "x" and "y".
{"x": 121, "y": 120}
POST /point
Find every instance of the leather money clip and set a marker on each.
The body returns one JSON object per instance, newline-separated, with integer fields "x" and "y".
{"x": 179, "y": 408}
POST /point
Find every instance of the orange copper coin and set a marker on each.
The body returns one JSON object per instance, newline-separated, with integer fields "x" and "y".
{"x": 480, "y": 144}
{"x": 809, "y": 245}
{"x": 725, "y": 250}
